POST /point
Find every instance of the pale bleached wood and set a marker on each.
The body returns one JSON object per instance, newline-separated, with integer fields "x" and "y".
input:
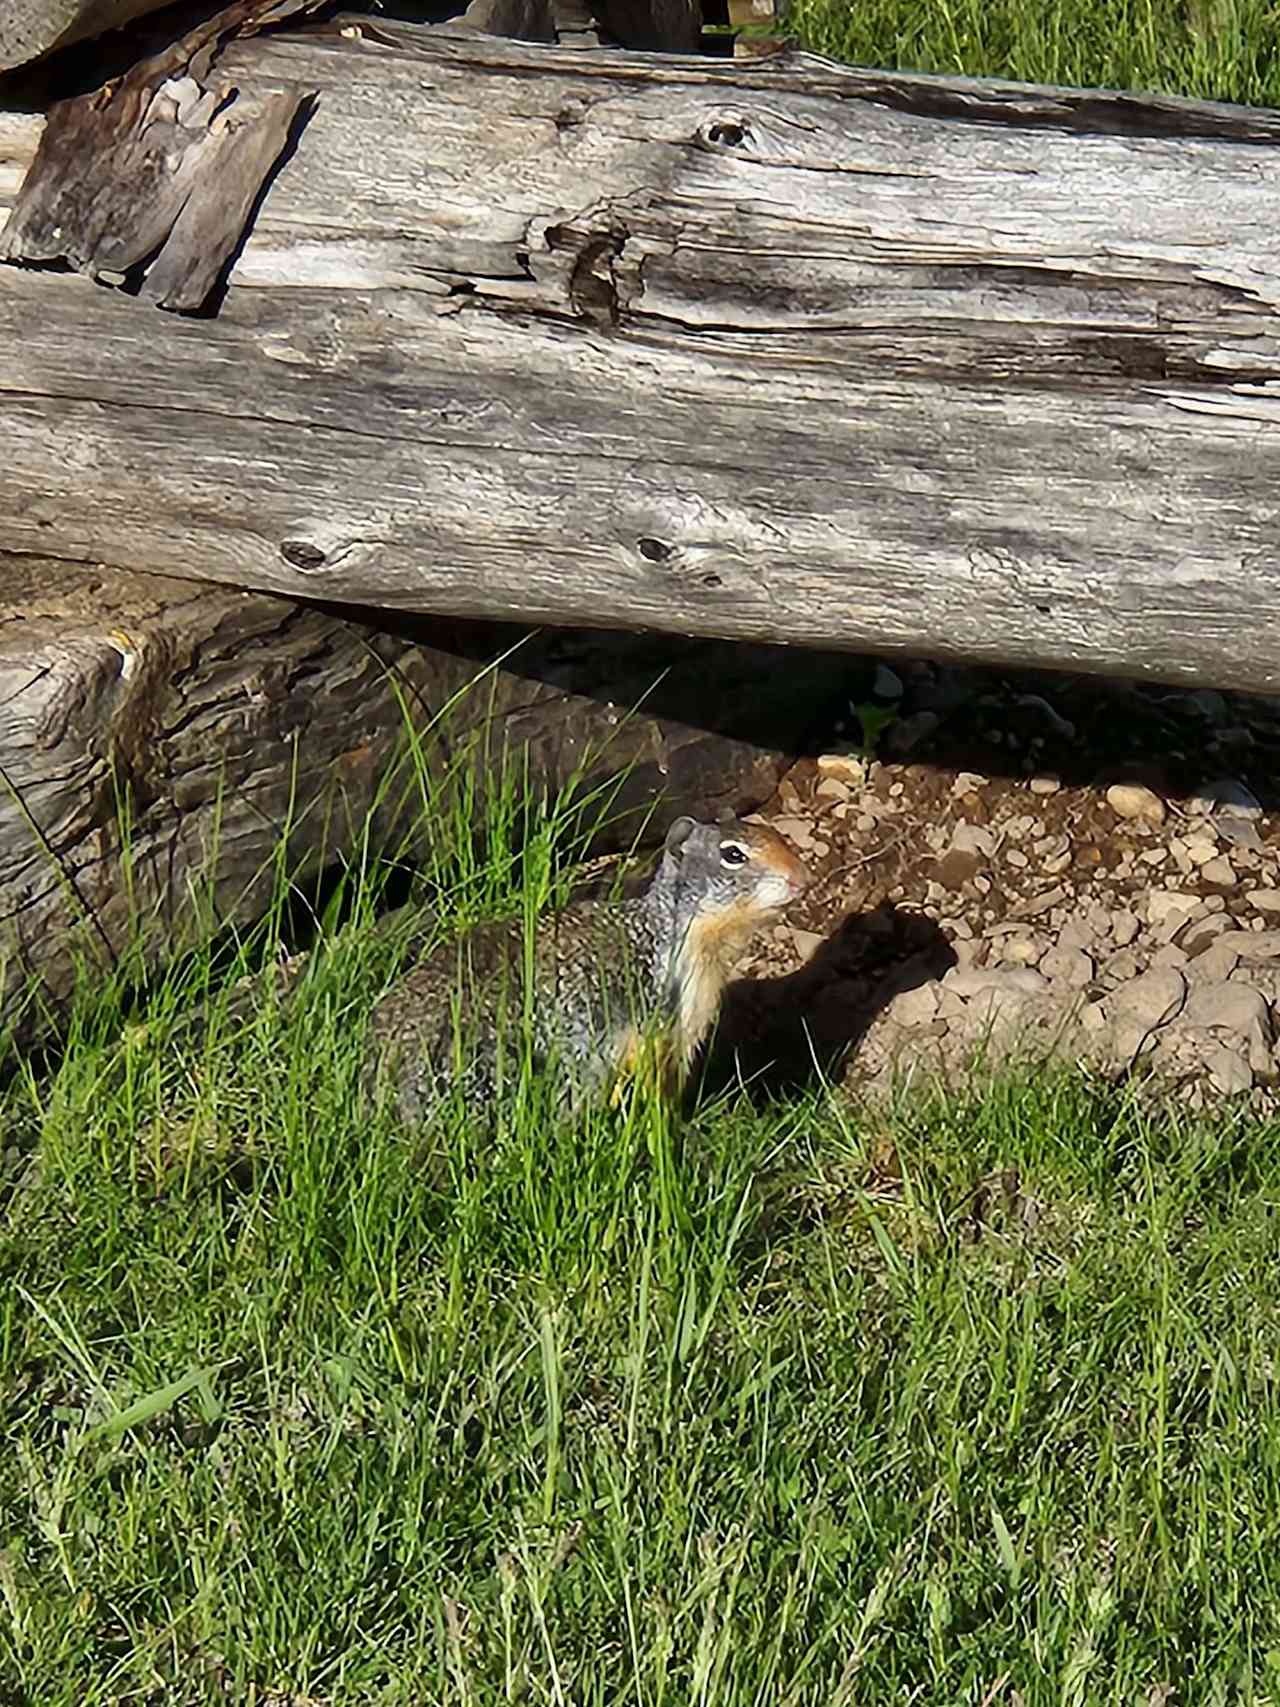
{"x": 200, "y": 728}
{"x": 780, "y": 351}
{"x": 31, "y": 28}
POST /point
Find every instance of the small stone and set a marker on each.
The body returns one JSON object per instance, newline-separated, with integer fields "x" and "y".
{"x": 1200, "y": 850}
{"x": 1265, "y": 900}
{"x": 916, "y": 1007}
{"x": 1254, "y": 945}
{"x": 1037, "y": 904}
{"x": 1023, "y": 951}
{"x": 1165, "y": 904}
{"x": 1178, "y": 925}
{"x": 1197, "y": 933}
{"x": 968, "y": 983}
{"x": 956, "y": 869}
{"x": 1241, "y": 833}
{"x": 974, "y": 839}
{"x": 1078, "y": 931}
{"x": 1170, "y": 955}
{"x": 1214, "y": 964}
{"x": 1225, "y": 797}
{"x": 1069, "y": 966}
{"x": 950, "y": 1006}
{"x": 1056, "y": 864}
{"x": 1045, "y": 784}
{"x": 1218, "y": 871}
{"x": 968, "y": 782}
{"x": 1047, "y": 846}
{"x": 831, "y": 788}
{"x": 844, "y": 767}
{"x": 1229, "y": 1072}
{"x": 1092, "y": 1017}
{"x": 864, "y": 822}
{"x": 995, "y": 1011}
{"x": 807, "y": 942}
{"x": 1124, "y": 927}
{"x": 1152, "y": 999}
{"x": 1230, "y": 1007}
{"x": 1122, "y": 967}
{"x": 1134, "y": 801}
{"x": 1154, "y": 856}
{"x": 1017, "y": 859}
{"x": 982, "y": 885}
{"x": 798, "y": 831}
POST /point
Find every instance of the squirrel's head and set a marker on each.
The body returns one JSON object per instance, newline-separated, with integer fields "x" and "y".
{"x": 741, "y": 875}
{"x": 718, "y": 883}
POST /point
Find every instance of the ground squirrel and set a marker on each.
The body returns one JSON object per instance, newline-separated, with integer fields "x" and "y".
{"x": 612, "y": 984}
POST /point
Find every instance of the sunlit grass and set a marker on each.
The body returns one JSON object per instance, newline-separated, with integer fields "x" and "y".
{"x": 812, "y": 1404}
{"x": 1224, "y": 50}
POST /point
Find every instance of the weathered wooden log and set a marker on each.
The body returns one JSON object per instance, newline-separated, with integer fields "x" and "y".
{"x": 762, "y": 350}
{"x": 159, "y": 739}
{"x": 31, "y": 28}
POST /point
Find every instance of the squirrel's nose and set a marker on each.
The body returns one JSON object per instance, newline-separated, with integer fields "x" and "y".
{"x": 800, "y": 878}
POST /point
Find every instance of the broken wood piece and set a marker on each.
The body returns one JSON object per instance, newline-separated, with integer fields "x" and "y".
{"x": 157, "y": 173}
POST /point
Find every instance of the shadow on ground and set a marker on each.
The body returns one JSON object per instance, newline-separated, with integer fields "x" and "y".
{"x": 780, "y": 1035}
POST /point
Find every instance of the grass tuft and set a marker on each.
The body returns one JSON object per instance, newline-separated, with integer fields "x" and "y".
{"x": 1221, "y": 50}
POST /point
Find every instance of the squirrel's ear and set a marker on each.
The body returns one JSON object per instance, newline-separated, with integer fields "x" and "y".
{"x": 679, "y": 834}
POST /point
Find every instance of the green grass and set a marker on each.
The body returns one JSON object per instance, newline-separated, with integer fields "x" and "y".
{"x": 774, "y": 1407}
{"x": 1225, "y": 50}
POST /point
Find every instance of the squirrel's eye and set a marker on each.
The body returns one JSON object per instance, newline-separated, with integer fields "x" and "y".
{"x": 732, "y": 854}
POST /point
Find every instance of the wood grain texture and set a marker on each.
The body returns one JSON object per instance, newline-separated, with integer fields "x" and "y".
{"x": 210, "y": 720}
{"x": 770, "y": 351}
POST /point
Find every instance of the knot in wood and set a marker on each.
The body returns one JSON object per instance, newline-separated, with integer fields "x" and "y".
{"x": 302, "y": 555}
{"x": 728, "y": 130}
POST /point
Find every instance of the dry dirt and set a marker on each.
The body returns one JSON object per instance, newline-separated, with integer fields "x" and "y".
{"x": 1031, "y": 863}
